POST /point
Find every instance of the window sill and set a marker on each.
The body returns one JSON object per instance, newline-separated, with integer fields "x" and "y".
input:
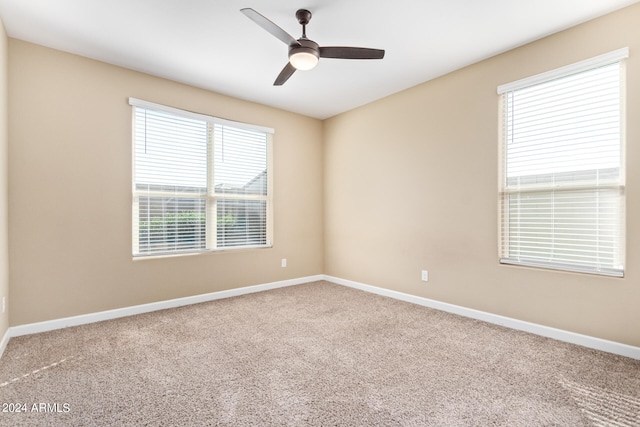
{"x": 610, "y": 272}
{"x": 163, "y": 255}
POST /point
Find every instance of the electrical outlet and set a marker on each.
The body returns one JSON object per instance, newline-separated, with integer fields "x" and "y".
{"x": 425, "y": 276}
{"x": 284, "y": 262}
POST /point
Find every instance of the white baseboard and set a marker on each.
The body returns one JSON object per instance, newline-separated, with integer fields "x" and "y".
{"x": 520, "y": 325}
{"x": 50, "y": 325}
{"x": 5, "y": 341}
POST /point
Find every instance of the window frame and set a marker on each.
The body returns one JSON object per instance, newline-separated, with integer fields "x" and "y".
{"x": 504, "y": 191}
{"x": 211, "y": 197}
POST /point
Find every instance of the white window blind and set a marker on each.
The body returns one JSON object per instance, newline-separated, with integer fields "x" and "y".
{"x": 199, "y": 183}
{"x": 240, "y": 186}
{"x": 562, "y": 180}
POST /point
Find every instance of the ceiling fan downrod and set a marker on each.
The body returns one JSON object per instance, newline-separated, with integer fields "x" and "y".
{"x": 303, "y": 16}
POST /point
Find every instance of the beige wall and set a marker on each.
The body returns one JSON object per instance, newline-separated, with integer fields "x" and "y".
{"x": 411, "y": 183}
{"x": 70, "y": 191}
{"x": 4, "y": 230}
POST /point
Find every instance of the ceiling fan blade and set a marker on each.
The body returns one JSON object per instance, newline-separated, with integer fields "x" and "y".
{"x": 272, "y": 28}
{"x": 343, "y": 52}
{"x": 284, "y": 75}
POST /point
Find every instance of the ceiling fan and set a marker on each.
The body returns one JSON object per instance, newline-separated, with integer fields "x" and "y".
{"x": 305, "y": 53}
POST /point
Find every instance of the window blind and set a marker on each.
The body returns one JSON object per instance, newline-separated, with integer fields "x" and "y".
{"x": 562, "y": 180}
{"x": 199, "y": 183}
{"x": 170, "y": 179}
{"x": 240, "y": 186}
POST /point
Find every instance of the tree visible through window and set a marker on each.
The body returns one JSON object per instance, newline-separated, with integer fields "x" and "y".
{"x": 199, "y": 182}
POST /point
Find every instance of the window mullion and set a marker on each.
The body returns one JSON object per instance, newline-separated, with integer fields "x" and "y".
{"x": 211, "y": 200}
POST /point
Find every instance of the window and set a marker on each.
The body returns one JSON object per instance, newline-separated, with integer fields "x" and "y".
{"x": 562, "y": 178}
{"x": 199, "y": 183}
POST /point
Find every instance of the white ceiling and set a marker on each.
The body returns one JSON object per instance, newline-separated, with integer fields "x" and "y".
{"x": 210, "y": 44}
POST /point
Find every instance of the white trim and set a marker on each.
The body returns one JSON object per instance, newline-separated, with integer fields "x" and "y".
{"x": 135, "y": 102}
{"x": 245, "y": 126}
{"x": 166, "y": 109}
{"x": 83, "y": 319}
{"x": 597, "y": 61}
{"x": 4, "y": 341}
{"x": 520, "y": 325}
{"x": 611, "y": 272}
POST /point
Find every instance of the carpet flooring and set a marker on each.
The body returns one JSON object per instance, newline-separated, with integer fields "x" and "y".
{"x": 317, "y": 354}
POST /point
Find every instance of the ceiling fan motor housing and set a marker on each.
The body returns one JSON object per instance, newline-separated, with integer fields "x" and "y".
{"x": 305, "y": 55}
{"x": 306, "y": 46}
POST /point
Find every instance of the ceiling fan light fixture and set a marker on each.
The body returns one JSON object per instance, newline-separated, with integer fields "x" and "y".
{"x": 304, "y": 53}
{"x": 303, "y": 60}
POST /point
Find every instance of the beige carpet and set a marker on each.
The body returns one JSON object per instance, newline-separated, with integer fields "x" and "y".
{"x": 315, "y": 354}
